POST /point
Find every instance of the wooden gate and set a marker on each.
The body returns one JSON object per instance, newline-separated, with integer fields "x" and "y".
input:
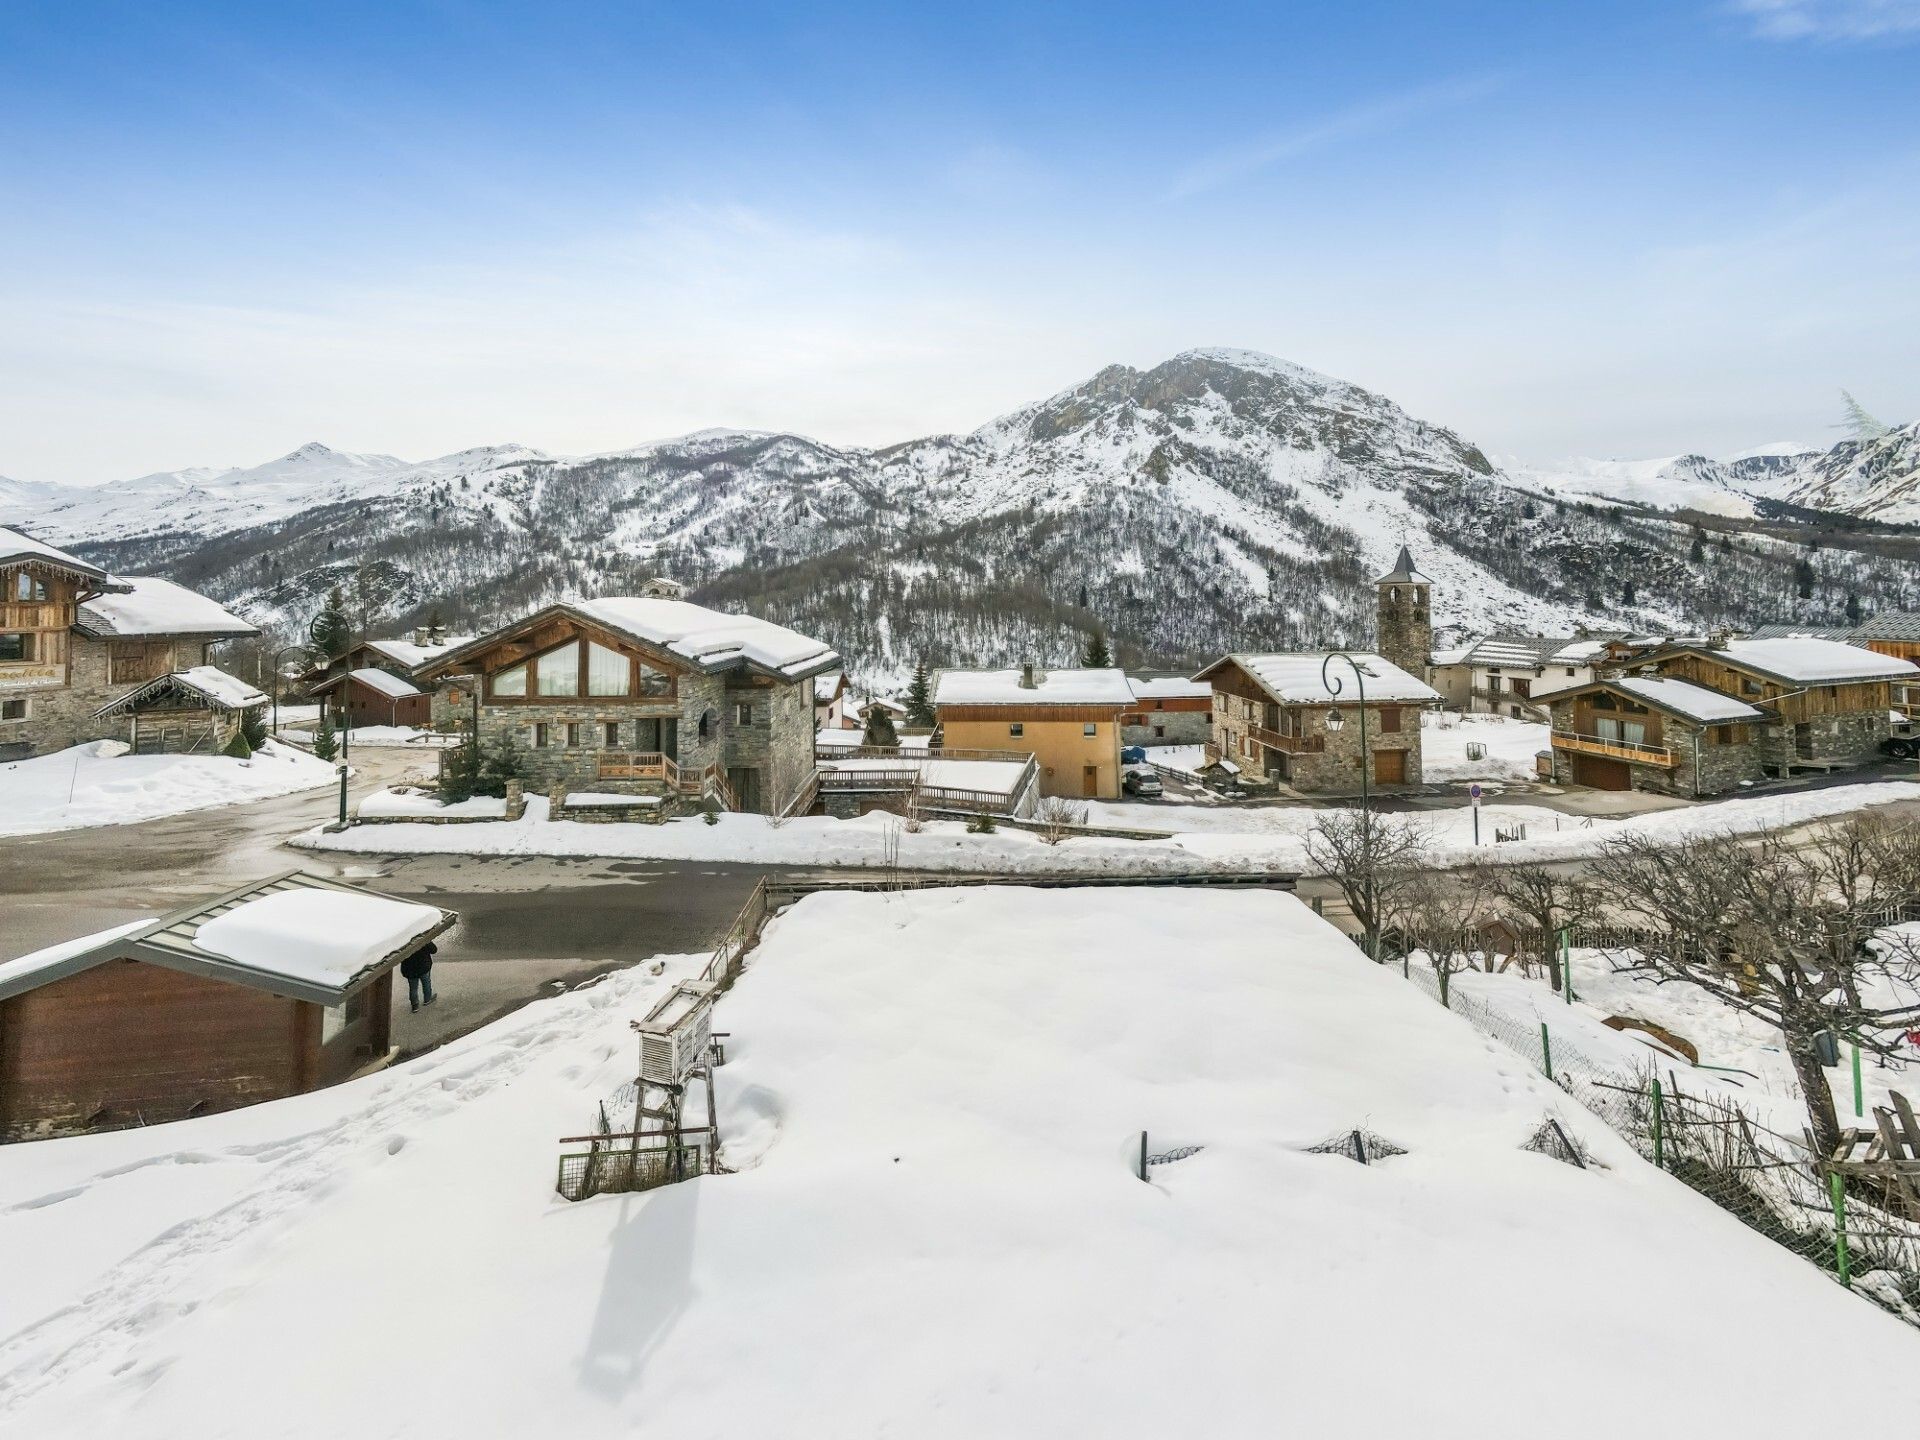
{"x": 1602, "y": 773}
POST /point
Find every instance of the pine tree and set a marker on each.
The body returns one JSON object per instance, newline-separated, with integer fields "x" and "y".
{"x": 1629, "y": 595}
{"x": 1853, "y": 608}
{"x": 880, "y": 729}
{"x": 1098, "y": 657}
{"x": 500, "y": 764}
{"x": 332, "y": 631}
{"x": 460, "y": 773}
{"x": 1803, "y": 579}
{"x": 253, "y": 725}
{"x": 920, "y": 697}
{"x": 238, "y": 747}
{"x": 1699, "y": 550}
{"x": 324, "y": 747}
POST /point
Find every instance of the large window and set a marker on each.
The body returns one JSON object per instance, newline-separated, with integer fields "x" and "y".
{"x": 26, "y": 588}
{"x": 16, "y": 645}
{"x": 558, "y": 671}
{"x": 607, "y": 671}
{"x": 510, "y": 682}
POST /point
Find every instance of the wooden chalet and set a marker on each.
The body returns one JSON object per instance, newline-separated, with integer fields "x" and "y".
{"x": 1650, "y": 732}
{"x": 279, "y": 987}
{"x": 654, "y": 694}
{"x": 1068, "y": 720}
{"x": 184, "y": 712}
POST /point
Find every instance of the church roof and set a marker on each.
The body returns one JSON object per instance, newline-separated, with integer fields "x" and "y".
{"x": 1404, "y": 572}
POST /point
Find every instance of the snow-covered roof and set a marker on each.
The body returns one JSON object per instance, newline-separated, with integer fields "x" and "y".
{"x": 1455, "y": 656}
{"x": 296, "y": 935}
{"x": 15, "y": 546}
{"x": 1050, "y": 687}
{"x": 149, "y": 605}
{"x": 1525, "y": 651}
{"x": 386, "y": 682}
{"x": 1801, "y": 632}
{"x": 1295, "y": 679}
{"x": 710, "y": 639}
{"x": 856, "y": 709}
{"x": 1168, "y": 687}
{"x": 1578, "y": 652}
{"x": 413, "y": 655}
{"x": 1695, "y": 702}
{"x": 827, "y": 685}
{"x": 209, "y": 682}
{"x": 1810, "y": 661}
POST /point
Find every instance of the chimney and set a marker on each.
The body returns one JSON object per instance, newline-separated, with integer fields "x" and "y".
{"x": 1717, "y": 638}
{"x": 422, "y": 635}
{"x": 1027, "y": 680}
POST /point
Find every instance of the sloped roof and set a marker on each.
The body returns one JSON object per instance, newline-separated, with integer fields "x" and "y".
{"x": 15, "y": 547}
{"x": 209, "y": 683}
{"x": 1527, "y": 650}
{"x": 1801, "y": 632}
{"x": 1295, "y": 678}
{"x": 1889, "y": 625}
{"x": 385, "y": 681}
{"x": 412, "y": 655}
{"x": 1404, "y": 571}
{"x": 1168, "y": 687}
{"x": 149, "y": 605}
{"x": 1695, "y": 702}
{"x": 1051, "y": 687}
{"x": 710, "y": 639}
{"x": 324, "y": 960}
{"x": 1806, "y": 661}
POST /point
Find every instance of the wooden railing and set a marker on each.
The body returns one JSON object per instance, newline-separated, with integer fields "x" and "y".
{"x": 899, "y": 752}
{"x": 1613, "y": 749}
{"x": 664, "y": 770}
{"x": 1292, "y": 744}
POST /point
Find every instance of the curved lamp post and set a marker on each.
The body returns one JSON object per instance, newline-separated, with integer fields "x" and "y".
{"x": 1336, "y": 722}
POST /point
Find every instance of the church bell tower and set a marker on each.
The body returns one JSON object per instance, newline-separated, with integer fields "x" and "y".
{"x": 1404, "y": 629}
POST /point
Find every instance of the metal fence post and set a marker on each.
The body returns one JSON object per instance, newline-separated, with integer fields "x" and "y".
{"x": 1143, "y": 1154}
{"x": 1837, "y": 1188}
{"x": 1546, "y": 1050}
{"x": 1566, "y": 968}
{"x": 1659, "y": 1127}
{"x": 1859, "y": 1098}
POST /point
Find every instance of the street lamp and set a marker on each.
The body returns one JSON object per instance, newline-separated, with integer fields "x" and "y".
{"x": 1336, "y": 722}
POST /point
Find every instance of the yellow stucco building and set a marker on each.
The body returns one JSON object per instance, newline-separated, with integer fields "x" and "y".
{"x": 1068, "y": 720}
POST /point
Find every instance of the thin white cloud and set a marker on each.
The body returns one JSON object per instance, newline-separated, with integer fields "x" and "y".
{"x": 1352, "y": 123}
{"x": 1832, "y": 19}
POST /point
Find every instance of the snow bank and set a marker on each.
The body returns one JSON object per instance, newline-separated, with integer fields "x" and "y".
{"x": 933, "y": 1102}
{"x": 1511, "y": 747}
{"x": 98, "y": 784}
{"x": 402, "y": 802}
{"x": 1263, "y": 838}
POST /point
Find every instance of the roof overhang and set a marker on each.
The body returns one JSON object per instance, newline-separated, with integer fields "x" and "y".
{"x": 1654, "y": 657}
{"x": 1554, "y": 697}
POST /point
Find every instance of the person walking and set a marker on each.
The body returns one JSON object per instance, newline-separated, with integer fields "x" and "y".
{"x": 418, "y": 970}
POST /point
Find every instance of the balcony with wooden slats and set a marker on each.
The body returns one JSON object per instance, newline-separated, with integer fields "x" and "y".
{"x": 1614, "y": 749}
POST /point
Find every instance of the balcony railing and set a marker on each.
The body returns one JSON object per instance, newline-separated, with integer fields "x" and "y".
{"x": 1613, "y": 749}
{"x": 1292, "y": 744}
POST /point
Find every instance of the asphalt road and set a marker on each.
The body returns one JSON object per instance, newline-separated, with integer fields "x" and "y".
{"x": 528, "y": 924}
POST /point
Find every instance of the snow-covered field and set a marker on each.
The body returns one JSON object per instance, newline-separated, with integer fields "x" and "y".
{"x": 412, "y": 800}
{"x": 99, "y": 784}
{"x": 384, "y": 737}
{"x": 1511, "y": 746}
{"x": 932, "y": 1104}
{"x": 1263, "y": 838}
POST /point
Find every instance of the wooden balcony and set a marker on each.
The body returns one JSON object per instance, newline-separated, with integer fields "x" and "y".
{"x": 1292, "y": 744}
{"x": 1613, "y": 749}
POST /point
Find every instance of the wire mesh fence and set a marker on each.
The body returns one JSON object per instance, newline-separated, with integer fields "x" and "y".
{"x": 1864, "y": 1235}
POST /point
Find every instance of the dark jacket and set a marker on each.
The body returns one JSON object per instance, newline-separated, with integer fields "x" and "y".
{"x": 417, "y": 964}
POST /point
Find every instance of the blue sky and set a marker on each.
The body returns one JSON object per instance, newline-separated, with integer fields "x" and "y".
{"x": 1624, "y": 229}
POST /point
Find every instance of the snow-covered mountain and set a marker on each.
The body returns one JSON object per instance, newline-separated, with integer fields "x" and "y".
{"x": 1877, "y": 479}
{"x": 1220, "y": 500}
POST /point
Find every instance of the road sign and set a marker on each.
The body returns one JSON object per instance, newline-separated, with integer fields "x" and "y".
{"x": 1473, "y": 793}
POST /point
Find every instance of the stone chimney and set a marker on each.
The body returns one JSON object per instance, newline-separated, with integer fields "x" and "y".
{"x": 1028, "y": 679}
{"x": 422, "y": 635}
{"x": 1719, "y": 637}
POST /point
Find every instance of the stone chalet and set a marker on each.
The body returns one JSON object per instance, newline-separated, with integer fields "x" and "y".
{"x": 1168, "y": 710}
{"x": 660, "y": 695}
{"x": 74, "y": 640}
{"x": 1733, "y": 711}
{"x": 1270, "y": 721}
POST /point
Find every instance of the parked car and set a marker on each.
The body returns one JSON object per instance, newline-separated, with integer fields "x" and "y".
{"x": 1903, "y": 744}
{"x": 1143, "y": 783}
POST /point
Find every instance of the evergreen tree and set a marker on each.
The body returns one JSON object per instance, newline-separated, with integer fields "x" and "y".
{"x": 460, "y": 774}
{"x": 500, "y": 764}
{"x": 880, "y": 729}
{"x": 324, "y": 747}
{"x": 253, "y": 725}
{"x": 332, "y": 631}
{"x": 1803, "y": 579}
{"x": 1629, "y": 595}
{"x": 920, "y": 697}
{"x": 238, "y": 747}
{"x": 1853, "y": 608}
{"x": 1097, "y": 657}
{"x": 1699, "y": 550}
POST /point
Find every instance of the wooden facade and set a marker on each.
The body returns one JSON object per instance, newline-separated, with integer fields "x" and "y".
{"x": 1076, "y": 747}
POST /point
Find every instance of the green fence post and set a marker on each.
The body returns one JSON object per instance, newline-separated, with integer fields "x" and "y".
{"x": 1659, "y": 1127}
{"x": 1566, "y": 968}
{"x": 1546, "y": 1050}
{"x": 1839, "y": 1192}
{"x": 1859, "y": 1098}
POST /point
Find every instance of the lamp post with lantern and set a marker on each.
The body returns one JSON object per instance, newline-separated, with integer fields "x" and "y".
{"x": 1335, "y": 723}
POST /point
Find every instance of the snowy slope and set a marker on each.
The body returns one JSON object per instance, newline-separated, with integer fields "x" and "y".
{"x": 932, "y": 1105}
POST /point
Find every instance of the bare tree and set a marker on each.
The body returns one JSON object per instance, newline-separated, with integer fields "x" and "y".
{"x": 1058, "y": 817}
{"x": 1440, "y": 913}
{"x": 1372, "y": 857}
{"x": 1788, "y": 929}
{"x": 1540, "y": 902}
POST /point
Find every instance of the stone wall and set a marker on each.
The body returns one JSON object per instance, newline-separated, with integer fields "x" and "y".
{"x": 62, "y": 715}
{"x": 1404, "y": 628}
{"x": 775, "y": 744}
{"x": 1334, "y": 769}
{"x": 1183, "y": 727}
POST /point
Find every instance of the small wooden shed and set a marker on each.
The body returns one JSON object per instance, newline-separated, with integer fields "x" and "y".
{"x": 274, "y": 989}
{"x": 192, "y": 712}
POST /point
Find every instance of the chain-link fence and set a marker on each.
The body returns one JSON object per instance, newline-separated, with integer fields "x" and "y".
{"x": 1773, "y": 1183}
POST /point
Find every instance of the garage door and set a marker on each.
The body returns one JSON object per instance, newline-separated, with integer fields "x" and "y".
{"x": 1602, "y": 773}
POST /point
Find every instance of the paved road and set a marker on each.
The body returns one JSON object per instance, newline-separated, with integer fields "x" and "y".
{"x": 527, "y": 924}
